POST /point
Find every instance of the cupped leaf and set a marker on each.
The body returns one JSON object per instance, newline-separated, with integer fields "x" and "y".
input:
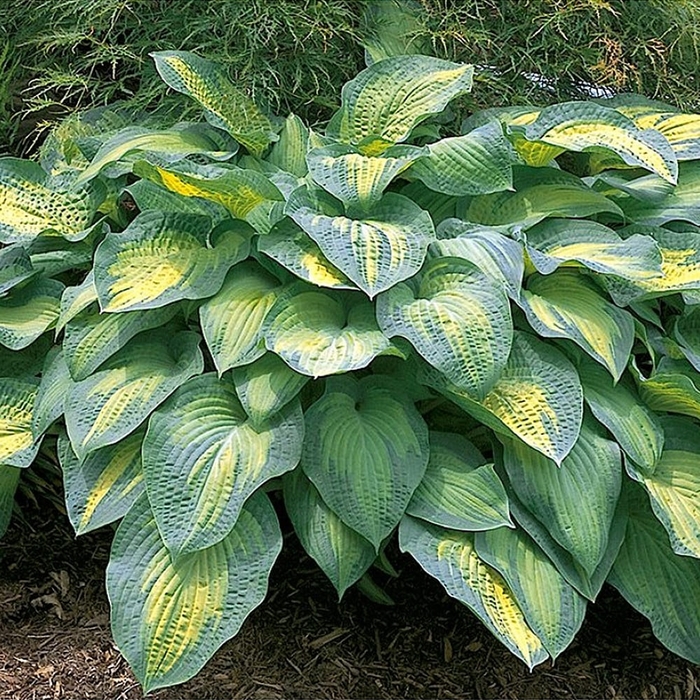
{"x": 566, "y": 305}
{"x": 366, "y": 450}
{"x": 386, "y": 246}
{"x": 479, "y": 162}
{"x": 674, "y": 386}
{"x": 232, "y": 320}
{"x": 575, "y": 501}
{"x": 101, "y": 488}
{"x": 451, "y": 558}
{"x": 15, "y": 267}
{"x": 343, "y": 554}
{"x": 161, "y": 258}
{"x": 266, "y": 385}
{"x": 459, "y": 490}
{"x": 9, "y": 478}
{"x": 26, "y": 312}
{"x": 318, "y": 334}
{"x": 170, "y": 616}
{"x": 55, "y": 384}
{"x": 384, "y": 102}
{"x": 457, "y": 317}
{"x": 224, "y": 104}
{"x": 76, "y": 299}
{"x": 17, "y": 444}
{"x": 148, "y": 195}
{"x": 202, "y": 459}
{"x": 551, "y": 606}
{"x": 112, "y": 403}
{"x": 289, "y": 153}
{"x": 661, "y": 585}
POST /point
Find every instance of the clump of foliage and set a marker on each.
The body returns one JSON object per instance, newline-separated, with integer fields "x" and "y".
{"x": 486, "y": 344}
{"x": 296, "y": 55}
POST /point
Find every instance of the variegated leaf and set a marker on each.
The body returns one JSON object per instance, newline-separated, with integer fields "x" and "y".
{"x": 289, "y": 153}
{"x": 55, "y": 384}
{"x": 76, "y": 299}
{"x": 15, "y": 267}
{"x": 17, "y": 398}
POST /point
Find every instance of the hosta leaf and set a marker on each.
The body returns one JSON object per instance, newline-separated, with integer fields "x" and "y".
{"x": 232, "y": 320}
{"x": 682, "y": 131}
{"x": 657, "y": 582}
{"x": 451, "y": 558}
{"x": 575, "y": 501}
{"x": 537, "y": 399}
{"x": 619, "y": 408}
{"x": 557, "y": 242}
{"x": 479, "y": 162}
{"x": 674, "y": 387}
{"x": 113, "y": 402}
{"x": 384, "y": 102}
{"x": 148, "y": 195}
{"x": 386, "y": 246}
{"x": 439, "y": 206}
{"x": 459, "y": 490}
{"x": 394, "y": 28}
{"x": 343, "y": 554}
{"x": 687, "y": 333}
{"x": 101, "y": 488}
{"x": 55, "y": 384}
{"x": 76, "y": 299}
{"x": 17, "y": 445}
{"x": 53, "y": 255}
{"x": 583, "y": 126}
{"x": 169, "y": 617}
{"x": 293, "y": 249}
{"x": 289, "y": 153}
{"x": 266, "y": 385}
{"x": 31, "y": 203}
{"x": 25, "y": 313}
{"x": 317, "y": 333}
{"x": 26, "y": 362}
{"x": 457, "y": 317}
{"x": 15, "y": 267}
{"x": 161, "y": 258}
{"x": 675, "y": 484}
{"x": 224, "y": 104}
{"x": 566, "y": 305}
{"x": 497, "y": 255}
{"x": 551, "y": 606}
{"x": 202, "y": 459}
{"x": 358, "y": 179}
{"x": 9, "y": 478}
{"x": 365, "y": 450}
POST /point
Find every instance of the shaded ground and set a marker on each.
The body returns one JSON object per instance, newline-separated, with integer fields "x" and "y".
{"x": 55, "y": 641}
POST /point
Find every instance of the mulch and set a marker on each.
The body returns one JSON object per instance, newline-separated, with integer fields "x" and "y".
{"x": 301, "y": 643}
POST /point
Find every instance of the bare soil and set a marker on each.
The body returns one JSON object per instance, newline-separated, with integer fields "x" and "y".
{"x": 301, "y": 643}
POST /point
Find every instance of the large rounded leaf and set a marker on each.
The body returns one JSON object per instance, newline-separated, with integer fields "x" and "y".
{"x": 169, "y": 617}
{"x": 551, "y": 606}
{"x": 386, "y": 246}
{"x": 343, "y": 554}
{"x": 457, "y": 318}
{"x": 365, "y": 450}
{"x": 459, "y": 490}
{"x": 17, "y": 445}
{"x": 384, "y": 102}
{"x": 317, "y": 333}
{"x": 202, "y": 459}
{"x": 451, "y": 558}
{"x": 113, "y": 402}
{"x": 161, "y": 258}
{"x": 232, "y": 320}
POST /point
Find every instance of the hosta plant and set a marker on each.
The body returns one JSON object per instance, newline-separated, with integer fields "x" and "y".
{"x": 484, "y": 344}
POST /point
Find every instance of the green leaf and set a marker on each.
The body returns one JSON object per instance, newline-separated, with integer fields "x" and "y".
{"x": 459, "y": 490}
{"x": 203, "y": 458}
{"x": 26, "y": 362}
{"x": 661, "y": 585}
{"x": 265, "y": 386}
{"x": 566, "y": 305}
{"x": 17, "y": 397}
{"x": 393, "y": 28}
{"x": 161, "y": 258}
{"x": 113, "y": 402}
{"x": 384, "y": 102}
{"x": 365, "y": 450}
{"x": 15, "y": 267}
{"x": 232, "y": 320}
{"x": 25, "y": 313}
{"x": 674, "y": 387}
{"x": 451, "y": 558}
{"x": 575, "y": 501}
{"x": 687, "y": 333}
{"x": 289, "y": 153}
{"x": 55, "y": 384}
{"x": 148, "y": 195}
{"x": 457, "y": 318}
{"x": 551, "y": 606}
{"x": 384, "y": 247}
{"x": 318, "y": 334}
{"x": 479, "y": 162}
{"x": 76, "y": 299}
{"x": 170, "y": 616}
{"x": 681, "y": 130}
{"x": 9, "y": 478}
{"x": 343, "y": 554}
{"x": 101, "y": 488}
{"x": 225, "y": 105}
